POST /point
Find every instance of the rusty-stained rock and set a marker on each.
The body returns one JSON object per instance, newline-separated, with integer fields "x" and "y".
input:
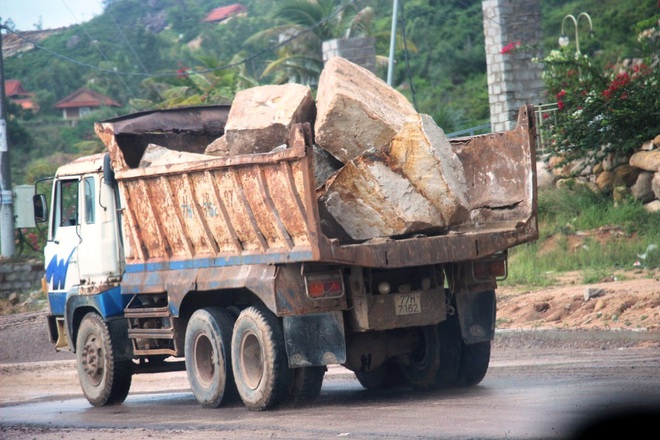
{"x": 218, "y": 147}
{"x": 646, "y": 160}
{"x": 423, "y": 154}
{"x": 368, "y": 200}
{"x": 260, "y": 117}
{"x": 415, "y": 184}
{"x": 156, "y": 155}
{"x": 356, "y": 110}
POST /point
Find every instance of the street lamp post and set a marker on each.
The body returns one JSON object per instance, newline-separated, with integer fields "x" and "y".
{"x": 563, "y": 39}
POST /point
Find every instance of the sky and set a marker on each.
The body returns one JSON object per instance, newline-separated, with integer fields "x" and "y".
{"x": 53, "y": 13}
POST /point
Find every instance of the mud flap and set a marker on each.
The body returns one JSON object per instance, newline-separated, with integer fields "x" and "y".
{"x": 476, "y": 315}
{"x": 315, "y": 340}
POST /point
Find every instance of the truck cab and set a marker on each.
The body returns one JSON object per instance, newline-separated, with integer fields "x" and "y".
{"x": 83, "y": 254}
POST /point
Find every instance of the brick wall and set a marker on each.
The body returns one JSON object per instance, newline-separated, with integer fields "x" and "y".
{"x": 20, "y": 277}
{"x": 513, "y": 79}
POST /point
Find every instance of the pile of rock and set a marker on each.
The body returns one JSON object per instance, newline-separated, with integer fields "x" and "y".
{"x": 381, "y": 168}
{"x": 635, "y": 176}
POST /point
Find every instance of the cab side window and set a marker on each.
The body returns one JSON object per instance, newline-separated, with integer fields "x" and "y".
{"x": 68, "y": 192}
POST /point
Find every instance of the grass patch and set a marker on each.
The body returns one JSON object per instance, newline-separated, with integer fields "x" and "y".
{"x": 583, "y": 231}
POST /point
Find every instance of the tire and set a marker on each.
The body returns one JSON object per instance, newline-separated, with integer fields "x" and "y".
{"x": 104, "y": 380}
{"x": 208, "y": 357}
{"x": 306, "y": 385}
{"x": 435, "y": 361}
{"x": 261, "y": 369}
{"x": 384, "y": 377}
{"x": 474, "y": 363}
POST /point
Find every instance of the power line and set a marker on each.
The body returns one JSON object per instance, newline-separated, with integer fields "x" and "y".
{"x": 98, "y": 48}
{"x": 175, "y": 73}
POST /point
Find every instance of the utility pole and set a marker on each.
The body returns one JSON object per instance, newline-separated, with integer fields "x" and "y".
{"x": 390, "y": 65}
{"x": 6, "y": 196}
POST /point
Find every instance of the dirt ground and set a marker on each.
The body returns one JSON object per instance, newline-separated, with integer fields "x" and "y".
{"x": 622, "y": 301}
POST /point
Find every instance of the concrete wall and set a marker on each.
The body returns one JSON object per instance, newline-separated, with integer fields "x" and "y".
{"x": 513, "y": 79}
{"x": 359, "y": 50}
{"x": 20, "y": 277}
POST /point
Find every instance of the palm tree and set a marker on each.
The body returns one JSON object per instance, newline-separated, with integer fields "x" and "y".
{"x": 306, "y": 24}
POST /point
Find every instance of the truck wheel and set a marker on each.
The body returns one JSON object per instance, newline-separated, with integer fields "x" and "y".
{"x": 207, "y": 351}
{"x": 435, "y": 361}
{"x": 104, "y": 379}
{"x": 385, "y": 376}
{"x": 474, "y": 363}
{"x": 306, "y": 385}
{"x": 259, "y": 359}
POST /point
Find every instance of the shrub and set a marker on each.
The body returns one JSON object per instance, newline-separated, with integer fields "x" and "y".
{"x": 602, "y": 111}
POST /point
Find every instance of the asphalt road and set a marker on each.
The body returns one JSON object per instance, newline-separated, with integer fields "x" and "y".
{"x": 527, "y": 393}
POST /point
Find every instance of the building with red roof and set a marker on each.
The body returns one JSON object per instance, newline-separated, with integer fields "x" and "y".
{"x": 16, "y": 93}
{"x": 82, "y": 102}
{"x": 224, "y": 13}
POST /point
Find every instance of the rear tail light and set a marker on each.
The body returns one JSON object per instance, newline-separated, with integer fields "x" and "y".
{"x": 489, "y": 269}
{"x": 324, "y": 285}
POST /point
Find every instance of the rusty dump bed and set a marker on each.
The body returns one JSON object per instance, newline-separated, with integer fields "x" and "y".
{"x": 262, "y": 209}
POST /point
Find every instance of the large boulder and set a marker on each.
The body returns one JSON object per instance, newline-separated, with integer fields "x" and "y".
{"x": 155, "y": 155}
{"x": 260, "y": 117}
{"x": 357, "y": 111}
{"x": 415, "y": 184}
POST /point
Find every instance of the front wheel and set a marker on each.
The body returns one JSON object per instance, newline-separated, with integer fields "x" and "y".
{"x": 207, "y": 351}
{"x": 104, "y": 379}
{"x": 259, "y": 359}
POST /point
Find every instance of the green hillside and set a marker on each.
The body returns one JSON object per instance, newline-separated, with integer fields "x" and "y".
{"x": 161, "y": 53}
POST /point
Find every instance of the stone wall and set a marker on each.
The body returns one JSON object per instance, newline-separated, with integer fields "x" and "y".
{"x": 513, "y": 79}
{"x": 636, "y": 176}
{"x": 20, "y": 277}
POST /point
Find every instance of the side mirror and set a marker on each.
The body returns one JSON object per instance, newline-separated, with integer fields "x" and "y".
{"x": 40, "y": 208}
{"x": 108, "y": 172}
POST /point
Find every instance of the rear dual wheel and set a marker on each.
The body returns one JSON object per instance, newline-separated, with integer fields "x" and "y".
{"x": 208, "y": 357}
{"x": 259, "y": 359}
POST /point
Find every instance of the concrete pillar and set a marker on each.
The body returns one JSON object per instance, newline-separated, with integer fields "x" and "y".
{"x": 358, "y": 50}
{"x": 513, "y": 79}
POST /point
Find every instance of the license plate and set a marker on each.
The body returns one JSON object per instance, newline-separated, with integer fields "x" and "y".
{"x": 407, "y": 304}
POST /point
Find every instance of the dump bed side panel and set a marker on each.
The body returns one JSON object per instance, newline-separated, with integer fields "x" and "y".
{"x": 252, "y": 209}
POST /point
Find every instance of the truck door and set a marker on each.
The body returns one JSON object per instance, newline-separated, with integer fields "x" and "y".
{"x": 98, "y": 246}
{"x": 60, "y": 253}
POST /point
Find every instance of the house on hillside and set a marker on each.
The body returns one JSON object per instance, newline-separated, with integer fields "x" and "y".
{"x": 82, "y": 102}
{"x": 16, "y": 93}
{"x": 226, "y": 13}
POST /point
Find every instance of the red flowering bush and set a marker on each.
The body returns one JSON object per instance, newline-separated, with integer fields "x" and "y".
{"x": 601, "y": 111}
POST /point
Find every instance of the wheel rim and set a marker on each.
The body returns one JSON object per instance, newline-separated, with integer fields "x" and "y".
{"x": 92, "y": 359}
{"x": 252, "y": 368}
{"x": 204, "y": 359}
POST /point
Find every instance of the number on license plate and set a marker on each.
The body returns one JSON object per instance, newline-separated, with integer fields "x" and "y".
{"x": 407, "y": 304}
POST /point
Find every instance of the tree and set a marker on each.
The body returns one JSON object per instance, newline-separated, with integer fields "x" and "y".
{"x": 305, "y": 25}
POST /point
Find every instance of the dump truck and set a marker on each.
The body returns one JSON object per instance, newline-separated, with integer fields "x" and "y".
{"x": 221, "y": 267}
